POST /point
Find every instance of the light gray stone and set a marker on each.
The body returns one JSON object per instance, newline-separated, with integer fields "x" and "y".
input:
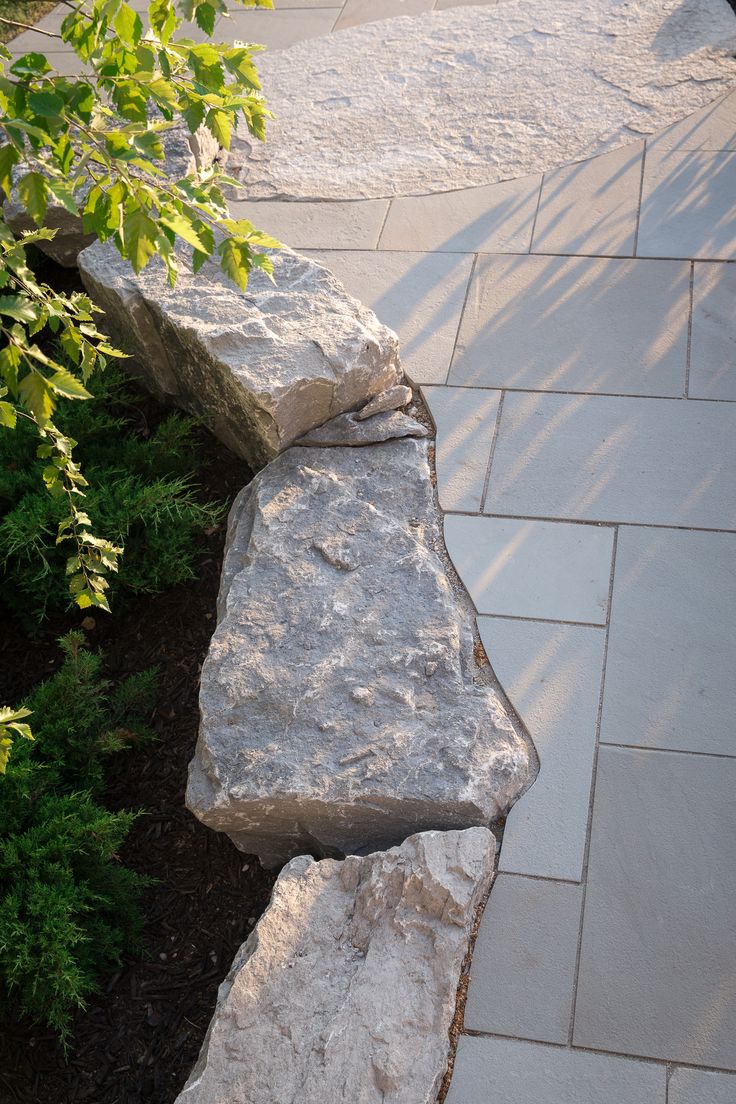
{"x": 687, "y": 206}
{"x": 659, "y": 941}
{"x": 347, "y": 430}
{"x": 490, "y": 1070}
{"x": 346, "y": 989}
{"x": 392, "y": 399}
{"x": 341, "y": 701}
{"x": 659, "y": 462}
{"x": 713, "y": 343}
{"x": 669, "y": 671}
{"x": 575, "y": 324}
{"x": 361, "y": 114}
{"x": 592, "y": 206}
{"x": 552, "y": 674}
{"x": 276, "y": 30}
{"x": 523, "y": 972}
{"x": 352, "y": 225}
{"x": 263, "y": 366}
{"x": 693, "y": 1086}
{"x": 537, "y": 569}
{"x": 464, "y": 418}
{"x": 185, "y": 153}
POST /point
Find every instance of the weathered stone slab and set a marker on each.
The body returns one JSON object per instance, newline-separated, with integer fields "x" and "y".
{"x": 393, "y": 399}
{"x": 185, "y": 153}
{"x": 261, "y": 367}
{"x": 350, "y": 429}
{"x": 346, "y": 989}
{"x": 342, "y": 706}
{"x": 482, "y": 94}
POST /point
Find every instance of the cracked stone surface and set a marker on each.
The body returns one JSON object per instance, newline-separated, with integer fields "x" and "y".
{"x": 346, "y": 988}
{"x": 474, "y": 95}
{"x": 351, "y": 429}
{"x": 342, "y": 707}
{"x": 185, "y": 152}
{"x": 262, "y": 367}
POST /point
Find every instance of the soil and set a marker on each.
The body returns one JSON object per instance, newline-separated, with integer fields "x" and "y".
{"x": 140, "y": 1035}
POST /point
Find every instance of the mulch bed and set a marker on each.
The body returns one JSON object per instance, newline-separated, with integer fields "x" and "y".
{"x": 140, "y": 1036}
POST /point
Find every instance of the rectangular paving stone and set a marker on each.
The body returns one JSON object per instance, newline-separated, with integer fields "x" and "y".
{"x": 656, "y": 462}
{"x": 687, "y": 206}
{"x": 552, "y": 675}
{"x": 672, "y": 642}
{"x": 309, "y": 225}
{"x": 497, "y": 218}
{"x": 591, "y": 207}
{"x": 277, "y": 30}
{"x": 711, "y": 128}
{"x": 523, "y": 968}
{"x": 532, "y": 568}
{"x": 659, "y": 939}
{"x": 464, "y": 418}
{"x": 575, "y": 324}
{"x": 418, "y": 295}
{"x": 356, "y": 12}
{"x": 713, "y": 339}
{"x": 507, "y": 1071}
{"x": 693, "y": 1086}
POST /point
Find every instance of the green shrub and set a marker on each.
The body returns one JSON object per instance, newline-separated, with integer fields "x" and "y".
{"x": 68, "y": 908}
{"x": 141, "y": 493}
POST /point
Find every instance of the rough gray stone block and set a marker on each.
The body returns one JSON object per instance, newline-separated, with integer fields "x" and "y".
{"x": 262, "y": 367}
{"x": 342, "y": 706}
{"x": 393, "y": 399}
{"x": 346, "y": 989}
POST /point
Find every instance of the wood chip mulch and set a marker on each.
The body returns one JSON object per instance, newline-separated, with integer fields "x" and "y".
{"x": 140, "y": 1035}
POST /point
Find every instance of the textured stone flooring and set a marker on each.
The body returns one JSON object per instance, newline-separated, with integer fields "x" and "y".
{"x": 575, "y": 337}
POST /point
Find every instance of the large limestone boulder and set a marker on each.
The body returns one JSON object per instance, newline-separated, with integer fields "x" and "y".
{"x": 342, "y": 707}
{"x": 185, "y": 154}
{"x": 345, "y": 990}
{"x": 262, "y": 367}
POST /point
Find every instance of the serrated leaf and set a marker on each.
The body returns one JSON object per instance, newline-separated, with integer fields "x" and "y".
{"x": 37, "y": 396}
{"x": 64, "y": 383}
{"x": 33, "y": 191}
{"x": 9, "y": 157}
{"x": 220, "y": 124}
{"x": 205, "y": 16}
{"x": 128, "y": 25}
{"x": 30, "y": 65}
{"x": 180, "y": 225}
{"x": 19, "y": 307}
{"x": 47, "y": 104}
{"x": 8, "y": 416}
{"x": 234, "y": 262}
{"x": 140, "y": 238}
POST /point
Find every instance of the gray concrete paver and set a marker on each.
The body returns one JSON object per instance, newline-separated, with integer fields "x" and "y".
{"x": 687, "y": 205}
{"x": 713, "y": 341}
{"x": 464, "y": 418}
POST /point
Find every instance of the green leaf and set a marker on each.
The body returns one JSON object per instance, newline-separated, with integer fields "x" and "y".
{"x": 128, "y": 25}
{"x": 33, "y": 191}
{"x": 37, "y": 396}
{"x": 130, "y": 101}
{"x": 139, "y": 235}
{"x": 234, "y": 262}
{"x": 205, "y": 16}
{"x": 19, "y": 307}
{"x": 182, "y": 226}
{"x": 8, "y": 416}
{"x": 220, "y": 124}
{"x": 64, "y": 383}
{"x": 30, "y": 65}
{"x": 47, "y": 104}
{"x": 9, "y": 157}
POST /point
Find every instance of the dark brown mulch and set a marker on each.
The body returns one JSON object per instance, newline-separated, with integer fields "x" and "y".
{"x": 138, "y": 1039}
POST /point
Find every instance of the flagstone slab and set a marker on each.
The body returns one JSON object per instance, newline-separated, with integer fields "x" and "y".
{"x": 670, "y": 665}
{"x": 455, "y": 98}
{"x": 687, "y": 205}
{"x": 592, "y": 207}
{"x": 489, "y": 1070}
{"x": 552, "y": 675}
{"x": 692, "y": 1086}
{"x": 575, "y": 324}
{"x": 713, "y": 340}
{"x": 523, "y": 972}
{"x": 659, "y": 942}
{"x": 464, "y": 418}
{"x": 533, "y": 568}
{"x": 613, "y": 459}
{"x": 352, "y": 225}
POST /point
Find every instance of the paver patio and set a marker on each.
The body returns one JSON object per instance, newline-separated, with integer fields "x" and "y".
{"x": 575, "y": 333}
